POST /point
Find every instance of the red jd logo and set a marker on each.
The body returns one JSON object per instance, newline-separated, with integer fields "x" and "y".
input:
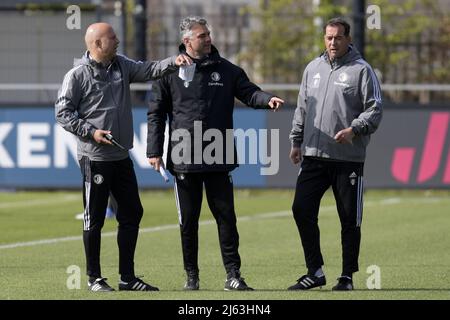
{"x": 432, "y": 154}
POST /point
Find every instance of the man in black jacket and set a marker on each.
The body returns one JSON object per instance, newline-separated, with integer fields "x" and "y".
{"x": 194, "y": 106}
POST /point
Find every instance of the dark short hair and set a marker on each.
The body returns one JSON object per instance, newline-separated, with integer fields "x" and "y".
{"x": 338, "y": 22}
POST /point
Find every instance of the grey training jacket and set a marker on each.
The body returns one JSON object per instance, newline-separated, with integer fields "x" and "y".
{"x": 94, "y": 97}
{"x": 332, "y": 98}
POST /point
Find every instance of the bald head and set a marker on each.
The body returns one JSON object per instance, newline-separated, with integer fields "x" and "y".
{"x": 101, "y": 41}
{"x": 94, "y": 32}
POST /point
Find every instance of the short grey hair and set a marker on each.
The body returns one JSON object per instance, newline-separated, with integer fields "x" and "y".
{"x": 187, "y": 24}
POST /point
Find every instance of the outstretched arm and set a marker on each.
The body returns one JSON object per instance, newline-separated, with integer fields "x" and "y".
{"x": 151, "y": 70}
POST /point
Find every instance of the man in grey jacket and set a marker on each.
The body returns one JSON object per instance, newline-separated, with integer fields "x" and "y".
{"x": 94, "y": 104}
{"x": 338, "y": 108}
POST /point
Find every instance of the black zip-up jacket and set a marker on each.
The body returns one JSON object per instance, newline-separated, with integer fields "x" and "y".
{"x": 209, "y": 99}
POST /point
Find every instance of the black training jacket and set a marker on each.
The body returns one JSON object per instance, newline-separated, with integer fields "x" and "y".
{"x": 209, "y": 99}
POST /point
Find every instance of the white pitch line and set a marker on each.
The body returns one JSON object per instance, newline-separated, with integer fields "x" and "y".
{"x": 267, "y": 215}
{"x": 36, "y": 202}
{"x": 38, "y": 242}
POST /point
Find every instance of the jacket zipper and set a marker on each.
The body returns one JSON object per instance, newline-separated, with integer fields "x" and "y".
{"x": 109, "y": 76}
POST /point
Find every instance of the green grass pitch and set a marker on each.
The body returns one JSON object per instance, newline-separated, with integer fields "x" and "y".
{"x": 404, "y": 233}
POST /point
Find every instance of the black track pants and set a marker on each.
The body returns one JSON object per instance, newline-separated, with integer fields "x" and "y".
{"x": 346, "y": 180}
{"x": 99, "y": 179}
{"x": 219, "y": 193}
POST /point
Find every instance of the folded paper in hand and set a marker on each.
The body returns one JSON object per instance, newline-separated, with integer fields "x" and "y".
{"x": 186, "y": 73}
{"x": 163, "y": 173}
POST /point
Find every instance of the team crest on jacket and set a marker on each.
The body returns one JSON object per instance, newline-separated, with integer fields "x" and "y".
{"x": 215, "y": 76}
{"x": 116, "y": 75}
{"x": 98, "y": 179}
{"x": 342, "y": 80}
{"x": 343, "y": 77}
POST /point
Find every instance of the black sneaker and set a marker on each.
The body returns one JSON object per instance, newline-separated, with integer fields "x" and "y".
{"x": 344, "y": 284}
{"x": 235, "y": 282}
{"x": 136, "y": 285}
{"x": 307, "y": 282}
{"x": 100, "y": 285}
{"x": 192, "y": 282}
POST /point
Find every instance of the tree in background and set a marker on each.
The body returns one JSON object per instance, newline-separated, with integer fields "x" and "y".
{"x": 286, "y": 38}
{"x": 411, "y": 46}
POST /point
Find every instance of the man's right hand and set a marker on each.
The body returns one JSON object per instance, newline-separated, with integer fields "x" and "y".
{"x": 295, "y": 155}
{"x": 183, "y": 60}
{"x": 99, "y": 136}
{"x": 155, "y": 162}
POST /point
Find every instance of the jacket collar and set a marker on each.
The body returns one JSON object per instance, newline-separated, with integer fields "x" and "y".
{"x": 95, "y": 66}
{"x": 351, "y": 55}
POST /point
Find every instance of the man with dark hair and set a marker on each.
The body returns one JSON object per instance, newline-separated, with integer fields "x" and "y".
{"x": 206, "y": 102}
{"x": 338, "y": 22}
{"x": 94, "y": 104}
{"x": 338, "y": 108}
